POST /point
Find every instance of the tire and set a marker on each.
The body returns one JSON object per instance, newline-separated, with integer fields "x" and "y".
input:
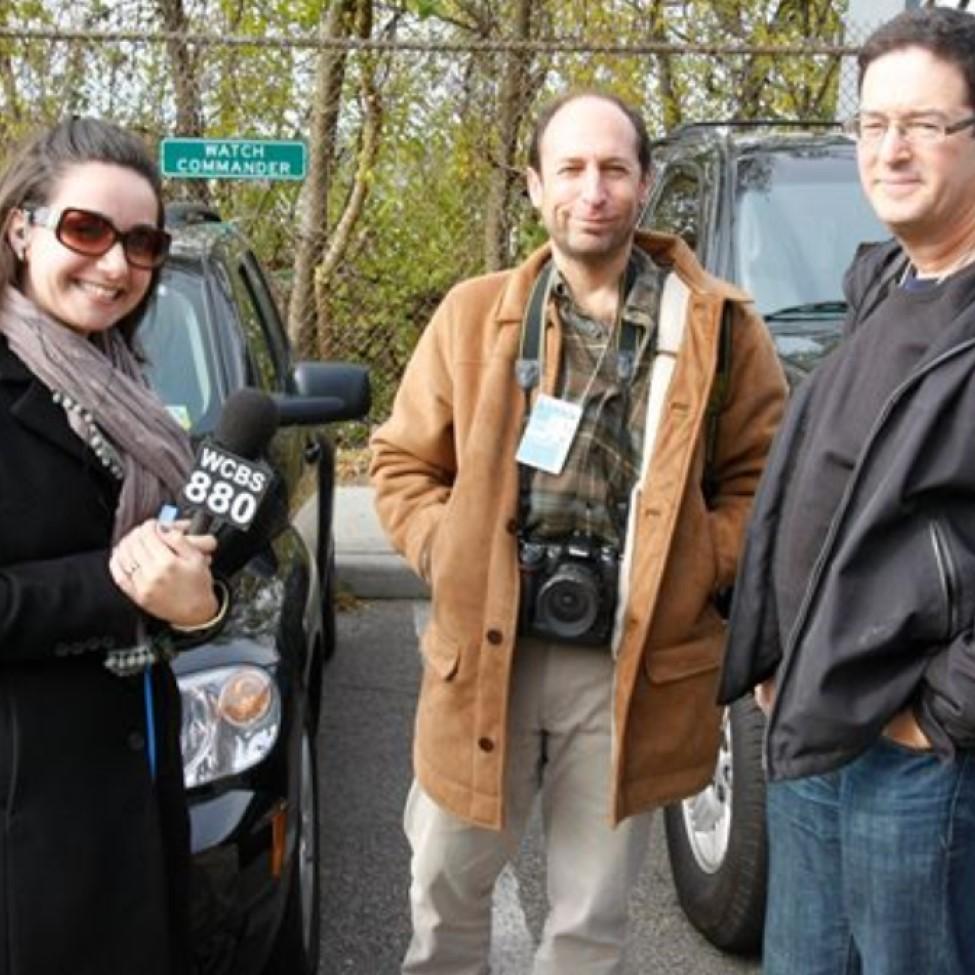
{"x": 296, "y": 947}
{"x": 716, "y": 839}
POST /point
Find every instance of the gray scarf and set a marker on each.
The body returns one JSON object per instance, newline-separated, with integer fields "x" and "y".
{"x": 104, "y": 378}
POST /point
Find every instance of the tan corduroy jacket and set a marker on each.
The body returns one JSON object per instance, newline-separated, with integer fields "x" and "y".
{"x": 446, "y": 492}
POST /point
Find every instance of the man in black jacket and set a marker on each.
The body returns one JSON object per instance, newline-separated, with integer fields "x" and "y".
{"x": 855, "y": 602}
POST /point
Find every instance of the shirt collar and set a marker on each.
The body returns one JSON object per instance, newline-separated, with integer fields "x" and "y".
{"x": 638, "y": 311}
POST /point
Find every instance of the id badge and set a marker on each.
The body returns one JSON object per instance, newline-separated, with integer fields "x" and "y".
{"x": 549, "y": 434}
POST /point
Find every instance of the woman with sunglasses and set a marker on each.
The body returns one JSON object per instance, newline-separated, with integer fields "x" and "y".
{"x": 93, "y": 589}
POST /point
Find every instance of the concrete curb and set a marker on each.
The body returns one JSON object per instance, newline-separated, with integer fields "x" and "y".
{"x": 365, "y": 563}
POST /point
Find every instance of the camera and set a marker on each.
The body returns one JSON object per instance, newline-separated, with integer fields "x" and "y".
{"x": 568, "y": 589}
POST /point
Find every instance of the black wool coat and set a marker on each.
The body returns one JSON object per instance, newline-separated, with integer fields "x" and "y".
{"x": 93, "y": 852}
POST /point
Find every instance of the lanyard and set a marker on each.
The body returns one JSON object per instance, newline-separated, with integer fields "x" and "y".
{"x": 529, "y": 367}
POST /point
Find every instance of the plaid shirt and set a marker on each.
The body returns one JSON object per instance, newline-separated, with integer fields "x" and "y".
{"x": 604, "y": 460}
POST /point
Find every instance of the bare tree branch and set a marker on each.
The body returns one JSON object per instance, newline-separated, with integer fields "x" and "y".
{"x": 369, "y": 143}
{"x": 313, "y": 204}
{"x": 513, "y": 102}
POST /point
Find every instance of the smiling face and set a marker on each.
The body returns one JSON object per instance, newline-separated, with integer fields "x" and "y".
{"x": 88, "y": 294}
{"x": 925, "y": 193}
{"x": 589, "y": 188}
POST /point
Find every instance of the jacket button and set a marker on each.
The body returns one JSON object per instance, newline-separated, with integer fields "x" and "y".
{"x": 485, "y": 744}
{"x": 495, "y": 637}
{"x": 511, "y": 527}
{"x": 136, "y": 741}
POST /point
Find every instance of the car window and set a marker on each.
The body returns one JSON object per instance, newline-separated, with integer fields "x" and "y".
{"x": 270, "y": 321}
{"x": 677, "y": 208}
{"x": 262, "y": 364}
{"x": 798, "y": 221}
{"x": 174, "y": 340}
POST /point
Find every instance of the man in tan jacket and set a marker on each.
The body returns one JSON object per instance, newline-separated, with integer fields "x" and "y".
{"x": 573, "y": 644}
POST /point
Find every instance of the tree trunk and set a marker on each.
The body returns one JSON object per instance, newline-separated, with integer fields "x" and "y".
{"x": 505, "y": 174}
{"x": 313, "y": 204}
{"x": 186, "y": 85}
{"x": 11, "y": 117}
{"x": 670, "y": 106}
{"x": 369, "y": 139}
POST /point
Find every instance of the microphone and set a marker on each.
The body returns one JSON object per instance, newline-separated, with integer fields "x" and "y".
{"x": 228, "y": 480}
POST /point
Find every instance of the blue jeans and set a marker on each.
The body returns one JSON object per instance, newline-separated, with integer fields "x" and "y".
{"x": 872, "y": 868}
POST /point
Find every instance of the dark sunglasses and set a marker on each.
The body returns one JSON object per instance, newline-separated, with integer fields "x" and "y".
{"x": 91, "y": 234}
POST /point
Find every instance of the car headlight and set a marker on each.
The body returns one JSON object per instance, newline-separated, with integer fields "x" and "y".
{"x": 231, "y": 719}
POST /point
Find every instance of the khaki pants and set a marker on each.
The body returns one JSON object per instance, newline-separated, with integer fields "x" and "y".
{"x": 559, "y": 744}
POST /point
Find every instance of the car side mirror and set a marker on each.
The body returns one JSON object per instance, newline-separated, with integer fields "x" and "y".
{"x": 324, "y": 392}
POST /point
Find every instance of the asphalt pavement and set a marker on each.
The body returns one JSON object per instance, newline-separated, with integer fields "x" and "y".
{"x": 364, "y": 762}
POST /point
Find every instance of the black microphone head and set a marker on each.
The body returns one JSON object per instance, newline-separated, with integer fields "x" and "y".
{"x": 247, "y": 423}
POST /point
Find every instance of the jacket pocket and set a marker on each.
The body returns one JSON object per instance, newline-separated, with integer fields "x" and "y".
{"x": 433, "y": 564}
{"x": 947, "y": 576}
{"x": 441, "y": 652}
{"x": 674, "y": 721}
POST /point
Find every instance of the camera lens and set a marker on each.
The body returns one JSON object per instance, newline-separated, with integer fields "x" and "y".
{"x": 568, "y": 603}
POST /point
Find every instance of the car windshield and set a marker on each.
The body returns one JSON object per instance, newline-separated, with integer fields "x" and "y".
{"x": 799, "y": 219}
{"x": 174, "y": 339}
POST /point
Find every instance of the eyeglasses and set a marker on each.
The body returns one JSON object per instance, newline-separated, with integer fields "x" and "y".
{"x": 89, "y": 233}
{"x": 914, "y": 129}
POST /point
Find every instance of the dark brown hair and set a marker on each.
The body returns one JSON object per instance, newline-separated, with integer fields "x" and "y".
{"x": 552, "y": 108}
{"x": 32, "y": 175}
{"x": 947, "y": 34}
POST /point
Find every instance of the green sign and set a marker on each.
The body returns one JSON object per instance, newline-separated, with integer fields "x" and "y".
{"x": 233, "y": 159}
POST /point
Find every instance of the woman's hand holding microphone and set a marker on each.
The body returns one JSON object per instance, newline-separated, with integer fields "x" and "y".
{"x": 166, "y": 572}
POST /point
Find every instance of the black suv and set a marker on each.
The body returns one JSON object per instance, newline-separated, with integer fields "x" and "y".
{"x": 779, "y": 211}
{"x": 251, "y": 696}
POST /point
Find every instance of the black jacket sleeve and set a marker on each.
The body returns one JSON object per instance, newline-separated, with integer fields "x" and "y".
{"x": 63, "y": 606}
{"x": 945, "y": 707}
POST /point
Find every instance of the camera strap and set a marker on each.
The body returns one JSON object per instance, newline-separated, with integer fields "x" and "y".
{"x": 528, "y": 366}
{"x": 528, "y": 369}
{"x": 672, "y": 319}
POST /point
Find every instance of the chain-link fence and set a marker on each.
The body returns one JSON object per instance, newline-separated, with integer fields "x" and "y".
{"x": 416, "y": 128}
